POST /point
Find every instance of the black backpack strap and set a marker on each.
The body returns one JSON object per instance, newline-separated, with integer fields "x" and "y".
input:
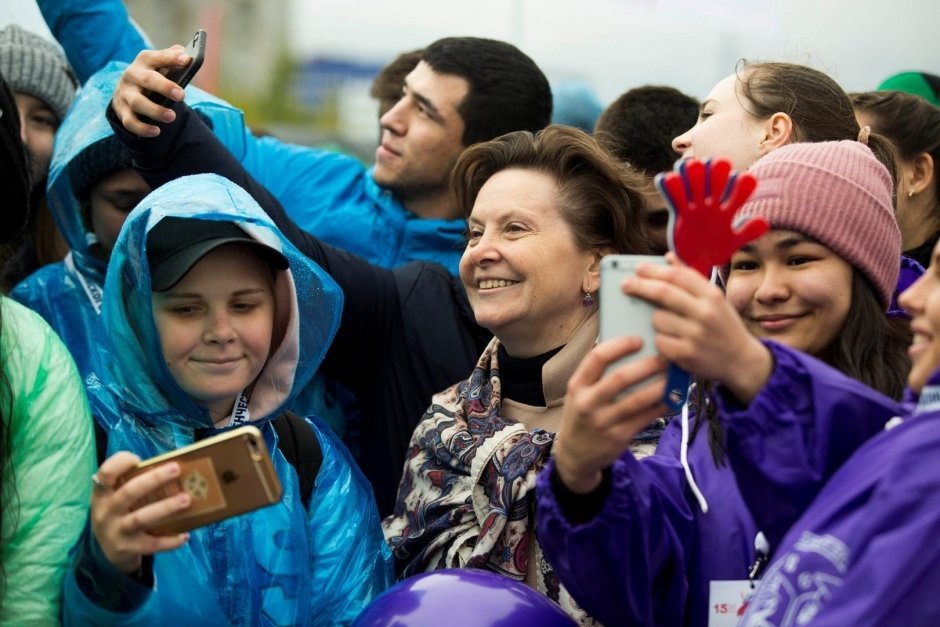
{"x": 299, "y": 444}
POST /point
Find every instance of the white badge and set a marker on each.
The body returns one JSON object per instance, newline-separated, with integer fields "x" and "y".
{"x": 727, "y": 602}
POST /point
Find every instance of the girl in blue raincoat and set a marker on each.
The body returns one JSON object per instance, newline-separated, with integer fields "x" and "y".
{"x": 198, "y": 313}
{"x": 92, "y": 187}
{"x": 68, "y": 294}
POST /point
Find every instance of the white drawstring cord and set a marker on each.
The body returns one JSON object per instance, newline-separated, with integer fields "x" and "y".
{"x": 684, "y": 458}
{"x": 684, "y": 447}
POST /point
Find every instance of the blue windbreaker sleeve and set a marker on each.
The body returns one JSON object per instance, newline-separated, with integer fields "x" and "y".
{"x": 353, "y": 562}
{"x": 93, "y": 33}
{"x": 802, "y": 426}
{"x": 626, "y": 566}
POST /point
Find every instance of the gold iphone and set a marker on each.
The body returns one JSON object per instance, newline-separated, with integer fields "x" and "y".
{"x": 225, "y": 475}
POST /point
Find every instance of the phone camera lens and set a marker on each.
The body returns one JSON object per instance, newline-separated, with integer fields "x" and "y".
{"x": 253, "y": 450}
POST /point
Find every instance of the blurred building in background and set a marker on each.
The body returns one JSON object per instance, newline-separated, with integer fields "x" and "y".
{"x": 301, "y": 69}
{"x": 323, "y": 100}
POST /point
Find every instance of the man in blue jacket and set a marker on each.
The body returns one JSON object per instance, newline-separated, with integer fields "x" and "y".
{"x": 463, "y": 91}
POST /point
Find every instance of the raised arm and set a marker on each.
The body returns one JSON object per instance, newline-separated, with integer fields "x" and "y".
{"x": 595, "y": 500}
{"x": 805, "y": 422}
{"x": 185, "y": 145}
{"x": 93, "y": 33}
{"x": 791, "y": 420}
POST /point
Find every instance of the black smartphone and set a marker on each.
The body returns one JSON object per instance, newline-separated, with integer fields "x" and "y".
{"x": 183, "y": 75}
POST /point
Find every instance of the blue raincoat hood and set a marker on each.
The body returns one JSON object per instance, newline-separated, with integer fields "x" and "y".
{"x": 283, "y": 564}
{"x": 86, "y": 125}
{"x": 133, "y": 380}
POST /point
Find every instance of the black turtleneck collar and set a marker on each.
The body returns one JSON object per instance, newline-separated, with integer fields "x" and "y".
{"x": 521, "y": 378}
{"x": 922, "y": 254}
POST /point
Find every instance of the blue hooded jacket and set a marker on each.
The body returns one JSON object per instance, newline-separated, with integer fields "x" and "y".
{"x": 281, "y": 564}
{"x": 68, "y": 294}
{"x": 328, "y": 194}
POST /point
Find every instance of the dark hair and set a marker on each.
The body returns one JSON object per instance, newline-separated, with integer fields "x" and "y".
{"x": 387, "y": 84}
{"x": 871, "y": 347}
{"x": 14, "y": 175}
{"x": 507, "y": 90}
{"x": 912, "y": 123}
{"x": 15, "y": 191}
{"x": 597, "y": 196}
{"x": 638, "y": 127}
{"x": 819, "y": 108}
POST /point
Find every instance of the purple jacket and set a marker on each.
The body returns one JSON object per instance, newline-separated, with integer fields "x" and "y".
{"x": 865, "y": 550}
{"x": 648, "y": 558}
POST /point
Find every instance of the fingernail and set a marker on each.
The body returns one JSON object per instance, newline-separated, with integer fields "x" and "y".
{"x": 183, "y": 498}
{"x": 177, "y": 93}
{"x": 169, "y": 116}
{"x": 171, "y": 470}
{"x": 152, "y": 131}
{"x": 183, "y": 58}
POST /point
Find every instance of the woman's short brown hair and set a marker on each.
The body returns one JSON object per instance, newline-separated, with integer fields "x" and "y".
{"x": 598, "y": 197}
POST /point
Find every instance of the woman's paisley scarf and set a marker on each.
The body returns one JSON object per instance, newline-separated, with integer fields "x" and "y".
{"x": 467, "y": 493}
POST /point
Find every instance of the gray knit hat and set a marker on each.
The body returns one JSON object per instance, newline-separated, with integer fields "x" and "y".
{"x": 34, "y": 65}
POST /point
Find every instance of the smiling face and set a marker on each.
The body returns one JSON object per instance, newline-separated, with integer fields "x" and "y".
{"x": 791, "y": 289}
{"x": 525, "y": 277}
{"x": 724, "y": 128}
{"x": 422, "y": 134}
{"x": 215, "y": 326}
{"x": 110, "y": 201}
{"x": 922, "y": 301}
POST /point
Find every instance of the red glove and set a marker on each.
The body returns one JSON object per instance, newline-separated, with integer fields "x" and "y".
{"x": 702, "y": 198}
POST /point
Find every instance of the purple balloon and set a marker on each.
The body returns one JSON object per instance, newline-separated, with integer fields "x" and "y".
{"x": 466, "y": 597}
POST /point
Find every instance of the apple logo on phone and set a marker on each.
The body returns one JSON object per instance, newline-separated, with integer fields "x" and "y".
{"x": 229, "y": 476}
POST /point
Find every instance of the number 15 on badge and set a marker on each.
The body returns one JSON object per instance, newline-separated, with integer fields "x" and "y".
{"x": 727, "y": 602}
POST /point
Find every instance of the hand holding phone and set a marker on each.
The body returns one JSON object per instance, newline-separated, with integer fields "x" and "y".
{"x": 141, "y": 508}
{"x": 225, "y": 475}
{"x": 623, "y": 315}
{"x": 142, "y": 95}
{"x": 182, "y": 75}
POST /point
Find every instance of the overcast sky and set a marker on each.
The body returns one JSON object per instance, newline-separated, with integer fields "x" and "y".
{"x": 618, "y": 44}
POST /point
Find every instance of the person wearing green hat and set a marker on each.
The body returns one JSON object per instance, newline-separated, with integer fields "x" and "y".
{"x": 917, "y": 83}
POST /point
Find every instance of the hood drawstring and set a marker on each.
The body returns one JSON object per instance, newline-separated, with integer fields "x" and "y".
{"x": 684, "y": 455}
{"x": 684, "y": 446}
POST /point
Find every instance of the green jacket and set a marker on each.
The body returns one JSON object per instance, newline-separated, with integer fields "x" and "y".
{"x": 46, "y": 496}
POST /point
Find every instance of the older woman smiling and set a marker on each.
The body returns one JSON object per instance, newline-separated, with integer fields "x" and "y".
{"x": 541, "y": 212}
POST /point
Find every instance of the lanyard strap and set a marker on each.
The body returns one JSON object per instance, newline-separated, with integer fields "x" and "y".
{"x": 92, "y": 290}
{"x": 240, "y": 411}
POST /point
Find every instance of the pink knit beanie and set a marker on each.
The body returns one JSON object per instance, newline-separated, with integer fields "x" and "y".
{"x": 839, "y": 194}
